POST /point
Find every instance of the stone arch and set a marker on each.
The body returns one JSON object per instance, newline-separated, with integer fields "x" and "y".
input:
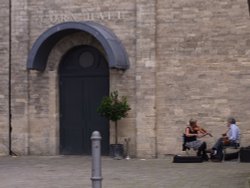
{"x": 68, "y": 42}
{"x": 114, "y": 50}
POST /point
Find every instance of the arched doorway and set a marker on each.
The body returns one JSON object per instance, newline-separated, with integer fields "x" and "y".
{"x": 104, "y": 39}
{"x": 84, "y": 81}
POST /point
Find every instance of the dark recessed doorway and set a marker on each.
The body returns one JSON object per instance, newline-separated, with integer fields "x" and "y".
{"x": 84, "y": 81}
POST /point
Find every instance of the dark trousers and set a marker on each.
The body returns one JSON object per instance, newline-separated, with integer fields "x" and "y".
{"x": 202, "y": 151}
{"x": 218, "y": 146}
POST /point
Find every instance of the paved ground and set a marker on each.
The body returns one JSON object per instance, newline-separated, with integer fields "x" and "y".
{"x": 75, "y": 172}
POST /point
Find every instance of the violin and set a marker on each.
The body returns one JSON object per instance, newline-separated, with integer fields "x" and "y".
{"x": 203, "y": 131}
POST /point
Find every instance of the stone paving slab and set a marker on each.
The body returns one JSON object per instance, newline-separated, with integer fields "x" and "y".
{"x": 75, "y": 172}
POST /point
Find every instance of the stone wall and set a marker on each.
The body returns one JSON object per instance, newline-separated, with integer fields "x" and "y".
{"x": 202, "y": 68}
{"x": 145, "y": 78}
{"x": 19, "y": 83}
{"x": 188, "y": 59}
{"x": 35, "y": 126}
{"x": 4, "y": 81}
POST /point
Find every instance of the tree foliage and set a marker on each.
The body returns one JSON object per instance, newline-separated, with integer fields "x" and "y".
{"x": 114, "y": 108}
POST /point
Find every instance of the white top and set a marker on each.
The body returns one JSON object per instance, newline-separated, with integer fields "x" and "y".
{"x": 234, "y": 133}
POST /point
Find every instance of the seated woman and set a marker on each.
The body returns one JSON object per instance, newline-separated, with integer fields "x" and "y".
{"x": 190, "y": 139}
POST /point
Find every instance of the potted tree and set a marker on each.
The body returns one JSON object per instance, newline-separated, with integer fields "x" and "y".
{"x": 114, "y": 108}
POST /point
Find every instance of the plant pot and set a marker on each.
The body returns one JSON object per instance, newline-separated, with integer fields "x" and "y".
{"x": 116, "y": 151}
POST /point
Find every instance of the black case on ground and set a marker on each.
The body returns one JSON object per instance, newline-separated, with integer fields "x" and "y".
{"x": 231, "y": 156}
{"x": 187, "y": 159}
{"x": 245, "y": 154}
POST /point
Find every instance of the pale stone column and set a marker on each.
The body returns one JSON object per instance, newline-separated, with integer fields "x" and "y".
{"x": 19, "y": 81}
{"x": 145, "y": 79}
{"x": 4, "y": 82}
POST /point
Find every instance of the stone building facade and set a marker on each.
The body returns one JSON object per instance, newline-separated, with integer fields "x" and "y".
{"x": 186, "y": 59}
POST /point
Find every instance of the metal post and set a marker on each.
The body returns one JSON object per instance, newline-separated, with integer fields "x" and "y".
{"x": 96, "y": 160}
{"x": 127, "y": 147}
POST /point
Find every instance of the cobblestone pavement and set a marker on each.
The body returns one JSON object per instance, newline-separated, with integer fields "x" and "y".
{"x": 75, "y": 172}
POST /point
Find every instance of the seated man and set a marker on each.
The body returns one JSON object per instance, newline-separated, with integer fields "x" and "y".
{"x": 190, "y": 139}
{"x": 230, "y": 138}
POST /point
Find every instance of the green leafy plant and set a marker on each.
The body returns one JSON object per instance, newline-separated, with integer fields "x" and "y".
{"x": 114, "y": 108}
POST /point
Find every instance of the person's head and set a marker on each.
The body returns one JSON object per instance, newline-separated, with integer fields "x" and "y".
{"x": 192, "y": 122}
{"x": 230, "y": 121}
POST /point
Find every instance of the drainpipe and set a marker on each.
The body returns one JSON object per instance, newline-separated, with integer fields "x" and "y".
{"x": 10, "y": 113}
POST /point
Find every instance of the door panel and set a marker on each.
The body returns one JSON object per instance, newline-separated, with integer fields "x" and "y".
{"x": 94, "y": 90}
{"x": 81, "y": 92}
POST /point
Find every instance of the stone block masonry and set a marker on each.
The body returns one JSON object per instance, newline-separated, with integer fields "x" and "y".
{"x": 188, "y": 59}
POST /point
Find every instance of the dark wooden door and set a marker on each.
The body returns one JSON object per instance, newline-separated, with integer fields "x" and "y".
{"x": 84, "y": 81}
